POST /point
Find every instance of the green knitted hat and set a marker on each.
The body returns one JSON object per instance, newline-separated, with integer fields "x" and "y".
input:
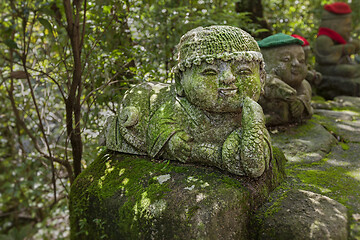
{"x": 216, "y": 42}
{"x": 278, "y": 40}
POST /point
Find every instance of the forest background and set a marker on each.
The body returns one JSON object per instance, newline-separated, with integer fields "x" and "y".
{"x": 64, "y": 66}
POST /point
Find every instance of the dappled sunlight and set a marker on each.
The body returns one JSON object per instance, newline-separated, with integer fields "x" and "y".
{"x": 318, "y": 226}
{"x": 354, "y": 174}
{"x": 338, "y": 163}
{"x": 107, "y": 171}
{"x": 141, "y": 206}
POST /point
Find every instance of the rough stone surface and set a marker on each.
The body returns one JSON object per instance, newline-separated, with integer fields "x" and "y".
{"x": 336, "y": 175}
{"x": 128, "y": 197}
{"x": 344, "y": 124}
{"x": 305, "y": 143}
{"x": 120, "y": 197}
{"x": 303, "y": 215}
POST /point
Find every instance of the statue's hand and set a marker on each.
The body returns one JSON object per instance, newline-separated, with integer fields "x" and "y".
{"x": 318, "y": 78}
{"x": 253, "y": 147}
{"x": 296, "y": 108}
{"x": 349, "y": 48}
{"x": 180, "y": 146}
{"x": 276, "y": 88}
{"x": 356, "y": 44}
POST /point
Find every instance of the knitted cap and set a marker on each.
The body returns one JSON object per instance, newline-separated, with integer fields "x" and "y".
{"x": 278, "y": 40}
{"x": 306, "y": 43}
{"x": 216, "y": 42}
{"x": 336, "y": 11}
{"x": 338, "y": 8}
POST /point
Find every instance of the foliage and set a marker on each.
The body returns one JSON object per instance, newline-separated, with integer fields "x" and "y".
{"x": 303, "y": 17}
{"x": 58, "y": 84}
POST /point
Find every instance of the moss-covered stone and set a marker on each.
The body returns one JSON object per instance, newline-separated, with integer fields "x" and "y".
{"x": 123, "y": 196}
{"x": 302, "y": 215}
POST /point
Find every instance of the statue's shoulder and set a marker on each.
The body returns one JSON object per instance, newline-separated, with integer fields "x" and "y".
{"x": 324, "y": 41}
{"x": 147, "y": 88}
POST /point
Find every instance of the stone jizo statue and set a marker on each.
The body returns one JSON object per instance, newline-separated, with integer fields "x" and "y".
{"x": 333, "y": 52}
{"x": 287, "y": 95}
{"x": 210, "y": 115}
{"x": 312, "y": 76}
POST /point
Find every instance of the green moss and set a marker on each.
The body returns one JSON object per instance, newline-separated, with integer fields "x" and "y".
{"x": 318, "y": 99}
{"x": 124, "y": 196}
{"x": 108, "y": 176}
{"x": 275, "y": 205}
{"x": 344, "y": 146}
{"x": 337, "y": 182}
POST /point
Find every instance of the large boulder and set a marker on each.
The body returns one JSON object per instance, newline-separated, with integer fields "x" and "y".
{"x": 123, "y": 196}
{"x": 302, "y": 215}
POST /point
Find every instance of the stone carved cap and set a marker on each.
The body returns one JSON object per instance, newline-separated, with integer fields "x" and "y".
{"x": 216, "y": 42}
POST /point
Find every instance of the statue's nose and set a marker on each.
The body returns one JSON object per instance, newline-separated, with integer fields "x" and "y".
{"x": 295, "y": 62}
{"x": 227, "y": 77}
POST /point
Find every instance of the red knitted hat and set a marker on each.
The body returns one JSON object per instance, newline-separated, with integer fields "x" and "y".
{"x": 338, "y": 8}
{"x": 306, "y": 43}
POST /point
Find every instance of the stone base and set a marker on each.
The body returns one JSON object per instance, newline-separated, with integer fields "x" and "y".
{"x": 129, "y": 197}
{"x": 302, "y": 215}
{"x": 332, "y": 86}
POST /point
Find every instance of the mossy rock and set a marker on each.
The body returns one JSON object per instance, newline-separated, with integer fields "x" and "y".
{"x": 301, "y": 215}
{"x": 123, "y": 196}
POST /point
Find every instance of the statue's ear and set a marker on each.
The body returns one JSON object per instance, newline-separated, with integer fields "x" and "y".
{"x": 178, "y": 85}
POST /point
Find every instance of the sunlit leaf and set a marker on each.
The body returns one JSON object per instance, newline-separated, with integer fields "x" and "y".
{"x": 46, "y": 24}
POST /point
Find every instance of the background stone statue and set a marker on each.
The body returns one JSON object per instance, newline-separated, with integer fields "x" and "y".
{"x": 333, "y": 50}
{"x": 210, "y": 115}
{"x": 287, "y": 94}
{"x": 312, "y": 76}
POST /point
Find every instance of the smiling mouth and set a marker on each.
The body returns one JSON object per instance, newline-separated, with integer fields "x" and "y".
{"x": 227, "y": 91}
{"x": 295, "y": 72}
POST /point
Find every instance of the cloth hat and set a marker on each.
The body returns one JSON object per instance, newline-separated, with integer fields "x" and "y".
{"x": 338, "y": 8}
{"x": 278, "y": 40}
{"x": 306, "y": 43}
{"x": 216, "y": 42}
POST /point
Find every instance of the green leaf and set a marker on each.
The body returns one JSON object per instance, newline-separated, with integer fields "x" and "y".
{"x": 11, "y": 43}
{"x": 46, "y": 24}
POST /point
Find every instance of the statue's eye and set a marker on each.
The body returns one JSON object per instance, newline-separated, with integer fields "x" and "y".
{"x": 285, "y": 59}
{"x": 209, "y": 72}
{"x": 301, "y": 60}
{"x": 244, "y": 71}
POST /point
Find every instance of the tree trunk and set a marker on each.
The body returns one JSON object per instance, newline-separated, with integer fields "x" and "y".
{"x": 73, "y": 111}
{"x": 255, "y": 8}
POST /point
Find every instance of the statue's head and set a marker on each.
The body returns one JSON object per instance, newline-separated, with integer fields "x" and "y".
{"x": 284, "y": 57}
{"x": 218, "y": 67}
{"x": 337, "y": 17}
{"x": 305, "y": 46}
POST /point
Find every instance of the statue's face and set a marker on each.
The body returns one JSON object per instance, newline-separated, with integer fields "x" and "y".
{"x": 343, "y": 27}
{"x": 287, "y": 62}
{"x": 222, "y": 86}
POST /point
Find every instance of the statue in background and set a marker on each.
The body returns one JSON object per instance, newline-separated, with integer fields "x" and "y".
{"x": 333, "y": 50}
{"x": 287, "y": 95}
{"x": 313, "y": 77}
{"x": 210, "y": 115}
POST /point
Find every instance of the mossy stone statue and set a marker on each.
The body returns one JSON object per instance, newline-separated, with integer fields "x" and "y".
{"x": 333, "y": 50}
{"x": 287, "y": 95}
{"x": 210, "y": 115}
{"x": 209, "y": 121}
